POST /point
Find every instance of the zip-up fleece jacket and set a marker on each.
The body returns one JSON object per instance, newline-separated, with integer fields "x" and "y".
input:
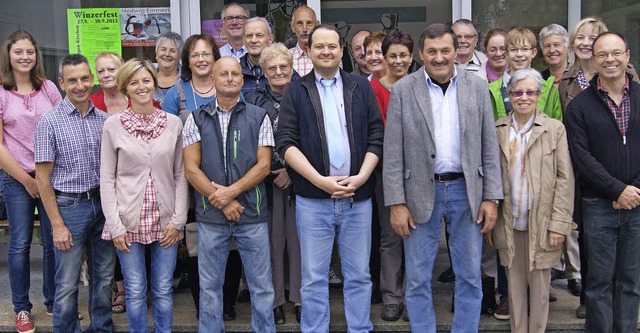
{"x": 241, "y": 156}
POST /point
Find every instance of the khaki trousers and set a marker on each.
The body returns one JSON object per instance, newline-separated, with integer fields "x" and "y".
{"x": 536, "y": 281}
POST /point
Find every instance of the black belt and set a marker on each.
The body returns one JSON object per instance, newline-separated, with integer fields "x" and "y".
{"x": 91, "y": 194}
{"x": 445, "y": 177}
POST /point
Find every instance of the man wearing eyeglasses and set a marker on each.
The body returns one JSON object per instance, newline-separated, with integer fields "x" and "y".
{"x": 233, "y": 16}
{"x": 603, "y": 128}
{"x": 521, "y": 49}
{"x": 257, "y": 36}
{"x": 468, "y": 57}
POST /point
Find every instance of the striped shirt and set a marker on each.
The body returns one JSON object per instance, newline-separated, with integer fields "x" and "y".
{"x": 191, "y": 133}
{"x": 72, "y": 142}
{"x": 301, "y": 61}
{"x": 621, "y": 112}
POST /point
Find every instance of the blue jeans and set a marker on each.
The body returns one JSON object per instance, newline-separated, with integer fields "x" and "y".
{"x": 213, "y": 250}
{"x": 613, "y": 292}
{"x": 83, "y": 217}
{"x": 319, "y": 221}
{"x": 163, "y": 263}
{"x": 465, "y": 245}
{"x": 20, "y": 208}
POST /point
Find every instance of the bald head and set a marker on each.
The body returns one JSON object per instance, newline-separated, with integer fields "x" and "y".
{"x": 302, "y": 22}
{"x": 227, "y": 77}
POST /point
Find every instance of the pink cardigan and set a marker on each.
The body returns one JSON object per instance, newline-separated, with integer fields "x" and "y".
{"x": 125, "y": 166}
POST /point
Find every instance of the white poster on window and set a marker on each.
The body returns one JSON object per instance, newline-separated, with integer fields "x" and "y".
{"x": 142, "y": 26}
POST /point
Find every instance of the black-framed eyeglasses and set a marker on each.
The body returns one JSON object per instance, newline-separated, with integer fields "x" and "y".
{"x": 238, "y": 18}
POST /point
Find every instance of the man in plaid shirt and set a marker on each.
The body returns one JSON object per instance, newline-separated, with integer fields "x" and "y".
{"x": 302, "y": 22}
{"x": 67, "y": 154}
{"x": 227, "y": 153}
{"x": 603, "y": 128}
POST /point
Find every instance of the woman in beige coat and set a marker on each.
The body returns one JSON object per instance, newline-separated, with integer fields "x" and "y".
{"x": 536, "y": 213}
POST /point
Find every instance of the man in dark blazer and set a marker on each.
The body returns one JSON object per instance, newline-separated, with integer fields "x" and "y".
{"x": 330, "y": 134}
{"x": 441, "y": 162}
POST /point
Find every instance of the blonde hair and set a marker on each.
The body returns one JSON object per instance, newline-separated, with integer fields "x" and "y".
{"x": 130, "y": 68}
{"x": 117, "y": 59}
{"x": 520, "y": 35}
{"x": 273, "y": 51}
{"x": 598, "y": 26}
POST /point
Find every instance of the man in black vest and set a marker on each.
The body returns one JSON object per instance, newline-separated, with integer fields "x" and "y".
{"x": 230, "y": 194}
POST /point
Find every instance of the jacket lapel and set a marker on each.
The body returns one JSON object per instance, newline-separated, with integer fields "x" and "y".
{"x": 463, "y": 95}
{"x": 421, "y": 94}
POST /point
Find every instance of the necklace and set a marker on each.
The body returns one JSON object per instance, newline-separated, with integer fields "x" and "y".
{"x": 201, "y": 92}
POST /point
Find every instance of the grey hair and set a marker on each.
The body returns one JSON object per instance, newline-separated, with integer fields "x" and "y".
{"x": 246, "y": 10}
{"x": 170, "y": 36}
{"x": 522, "y": 74}
{"x": 258, "y": 19}
{"x": 554, "y": 29}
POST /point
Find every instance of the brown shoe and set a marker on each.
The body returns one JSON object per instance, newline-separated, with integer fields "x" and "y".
{"x": 502, "y": 310}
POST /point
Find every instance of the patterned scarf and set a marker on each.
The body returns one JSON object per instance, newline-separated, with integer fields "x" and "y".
{"x": 142, "y": 129}
{"x": 517, "y": 173}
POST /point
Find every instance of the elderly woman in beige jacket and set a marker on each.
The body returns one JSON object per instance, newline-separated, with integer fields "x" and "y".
{"x": 144, "y": 194}
{"x": 535, "y": 216}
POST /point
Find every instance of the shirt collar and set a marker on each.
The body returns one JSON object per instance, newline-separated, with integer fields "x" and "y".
{"x": 299, "y": 52}
{"x": 217, "y": 107}
{"x": 70, "y": 108}
{"x": 506, "y": 78}
{"x": 430, "y": 81}
{"x": 319, "y": 77}
{"x": 626, "y": 85}
{"x": 474, "y": 60}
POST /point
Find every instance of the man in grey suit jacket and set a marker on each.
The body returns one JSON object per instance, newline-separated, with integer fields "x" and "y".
{"x": 441, "y": 162}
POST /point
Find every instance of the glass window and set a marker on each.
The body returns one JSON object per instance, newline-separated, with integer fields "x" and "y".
{"x": 534, "y": 15}
{"x": 47, "y": 22}
{"x": 621, "y": 16}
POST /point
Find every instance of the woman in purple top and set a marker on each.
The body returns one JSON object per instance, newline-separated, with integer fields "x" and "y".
{"x": 25, "y": 94}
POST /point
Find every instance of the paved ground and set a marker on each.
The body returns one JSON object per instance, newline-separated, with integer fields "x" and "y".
{"x": 562, "y": 312}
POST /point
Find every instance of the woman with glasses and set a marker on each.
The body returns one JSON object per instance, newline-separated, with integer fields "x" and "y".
{"x": 277, "y": 63}
{"x": 25, "y": 94}
{"x": 535, "y": 215}
{"x": 144, "y": 195}
{"x": 198, "y": 56}
{"x": 494, "y": 46}
{"x": 168, "y": 48}
{"x": 397, "y": 49}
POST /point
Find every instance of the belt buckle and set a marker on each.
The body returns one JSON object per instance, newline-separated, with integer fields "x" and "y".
{"x": 88, "y": 195}
{"x": 440, "y": 177}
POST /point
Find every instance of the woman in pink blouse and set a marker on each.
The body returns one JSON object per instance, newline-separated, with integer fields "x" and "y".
{"x": 25, "y": 94}
{"x": 144, "y": 194}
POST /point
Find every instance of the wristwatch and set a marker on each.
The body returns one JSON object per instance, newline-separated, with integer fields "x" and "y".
{"x": 497, "y": 202}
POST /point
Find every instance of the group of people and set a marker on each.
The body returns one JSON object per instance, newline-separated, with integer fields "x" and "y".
{"x": 262, "y": 157}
